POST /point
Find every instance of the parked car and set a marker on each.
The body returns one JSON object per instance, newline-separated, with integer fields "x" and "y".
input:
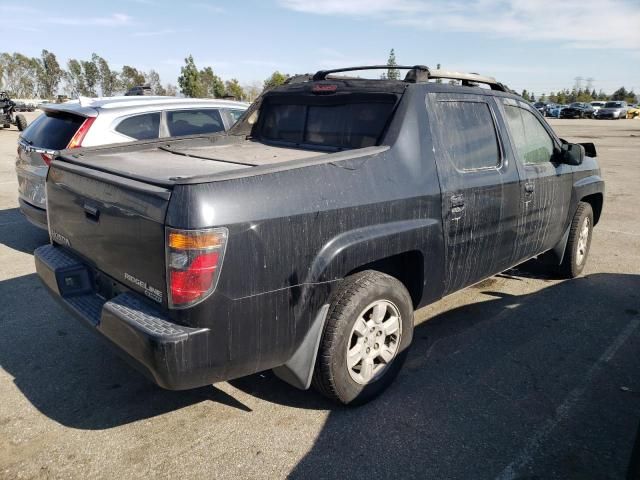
{"x": 597, "y": 106}
{"x": 304, "y": 238}
{"x": 555, "y": 111}
{"x": 540, "y": 106}
{"x": 547, "y": 108}
{"x": 144, "y": 90}
{"x": 577, "y": 110}
{"x": 108, "y": 120}
{"x": 613, "y": 110}
{"x": 633, "y": 111}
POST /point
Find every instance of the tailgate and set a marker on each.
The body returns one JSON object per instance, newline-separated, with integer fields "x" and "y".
{"x": 114, "y": 223}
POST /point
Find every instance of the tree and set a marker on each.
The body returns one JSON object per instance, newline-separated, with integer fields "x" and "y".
{"x": 392, "y": 73}
{"x": 252, "y": 91}
{"x": 620, "y": 94}
{"x": 276, "y": 79}
{"x": 108, "y": 79}
{"x": 189, "y": 80}
{"x": 525, "y": 95}
{"x": 49, "y": 74}
{"x": 91, "y": 77}
{"x": 153, "y": 80}
{"x": 438, "y": 80}
{"x": 212, "y": 84}
{"x": 75, "y": 78}
{"x": 233, "y": 89}
{"x": 131, "y": 77}
{"x": 19, "y": 74}
{"x": 170, "y": 90}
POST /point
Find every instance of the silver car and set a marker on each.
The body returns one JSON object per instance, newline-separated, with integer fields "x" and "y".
{"x": 614, "y": 110}
{"x": 89, "y": 122}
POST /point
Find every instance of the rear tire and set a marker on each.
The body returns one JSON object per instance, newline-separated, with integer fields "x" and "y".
{"x": 579, "y": 242}
{"x": 6, "y": 125}
{"x": 21, "y": 122}
{"x": 366, "y": 338}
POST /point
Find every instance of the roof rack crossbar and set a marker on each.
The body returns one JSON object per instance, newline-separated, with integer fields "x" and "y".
{"x": 421, "y": 73}
{"x": 322, "y": 74}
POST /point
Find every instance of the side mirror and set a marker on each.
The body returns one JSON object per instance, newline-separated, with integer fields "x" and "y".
{"x": 571, "y": 154}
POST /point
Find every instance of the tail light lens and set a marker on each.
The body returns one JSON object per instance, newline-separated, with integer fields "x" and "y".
{"x": 194, "y": 259}
{"x": 46, "y": 158}
{"x": 78, "y": 137}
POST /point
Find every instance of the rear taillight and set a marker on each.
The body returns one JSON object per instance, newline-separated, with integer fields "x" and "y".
{"x": 46, "y": 158}
{"x": 78, "y": 137}
{"x": 194, "y": 259}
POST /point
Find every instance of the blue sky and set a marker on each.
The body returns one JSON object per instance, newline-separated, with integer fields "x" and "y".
{"x": 540, "y": 45}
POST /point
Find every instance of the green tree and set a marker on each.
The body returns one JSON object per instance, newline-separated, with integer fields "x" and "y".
{"x": 276, "y": 79}
{"x": 19, "y": 74}
{"x": 525, "y": 95}
{"x": 108, "y": 79}
{"x": 49, "y": 74}
{"x": 75, "y": 78}
{"x": 131, "y": 77}
{"x": 212, "y": 84}
{"x": 392, "y": 73}
{"x": 233, "y": 89}
{"x": 152, "y": 78}
{"x": 189, "y": 80}
{"x": 91, "y": 77}
{"x": 620, "y": 94}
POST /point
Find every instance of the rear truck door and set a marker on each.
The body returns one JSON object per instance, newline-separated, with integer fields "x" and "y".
{"x": 480, "y": 187}
{"x": 115, "y": 224}
{"x": 546, "y": 186}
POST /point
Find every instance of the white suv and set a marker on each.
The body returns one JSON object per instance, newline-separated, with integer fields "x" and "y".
{"x": 100, "y": 121}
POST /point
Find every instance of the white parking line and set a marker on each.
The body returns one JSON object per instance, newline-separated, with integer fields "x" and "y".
{"x": 562, "y": 412}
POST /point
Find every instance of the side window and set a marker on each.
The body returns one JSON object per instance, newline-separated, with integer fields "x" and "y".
{"x": 235, "y": 115}
{"x": 140, "y": 127}
{"x": 193, "y": 122}
{"x": 530, "y": 139}
{"x": 468, "y": 134}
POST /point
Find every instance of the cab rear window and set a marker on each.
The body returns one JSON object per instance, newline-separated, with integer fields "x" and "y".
{"x": 52, "y": 131}
{"x": 340, "y": 125}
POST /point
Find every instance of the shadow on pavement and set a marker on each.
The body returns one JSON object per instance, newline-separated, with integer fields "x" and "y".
{"x": 71, "y": 375}
{"x": 17, "y": 233}
{"x": 483, "y": 379}
{"x": 480, "y": 380}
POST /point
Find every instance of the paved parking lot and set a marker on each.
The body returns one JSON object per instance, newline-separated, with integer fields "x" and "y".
{"x": 521, "y": 376}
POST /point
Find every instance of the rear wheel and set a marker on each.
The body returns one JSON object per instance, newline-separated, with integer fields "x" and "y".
{"x": 579, "y": 242}
{"x": 366, "y": 338}
{"x": 21, "y": 122}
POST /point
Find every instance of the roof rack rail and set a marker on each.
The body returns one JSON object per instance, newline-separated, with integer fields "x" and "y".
{"x": 422, "y": 74}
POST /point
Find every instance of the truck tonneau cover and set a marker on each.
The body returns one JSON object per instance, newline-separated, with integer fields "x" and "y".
{"x": 187, "y": 163}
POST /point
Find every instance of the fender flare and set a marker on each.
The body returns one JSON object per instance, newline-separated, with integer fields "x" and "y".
{"x": 341, "y": 255}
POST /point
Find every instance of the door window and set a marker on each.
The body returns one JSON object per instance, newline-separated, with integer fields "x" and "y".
{"x": 140, "y": 127}
{"x": 468, "y": 134}
{"x": 530, "y": 139}
{"x": 194, "y": 122}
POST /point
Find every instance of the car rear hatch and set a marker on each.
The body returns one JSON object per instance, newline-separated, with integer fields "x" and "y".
{"x": 115, "y": 224}
{"x": 52, "y": 131}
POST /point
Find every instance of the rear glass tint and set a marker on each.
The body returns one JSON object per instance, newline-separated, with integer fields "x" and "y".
{"x": 347, "y": 125}
{"x": 52, "y": 131}
{"x": 140, "y": 127}
{"x": 192, "y": 122}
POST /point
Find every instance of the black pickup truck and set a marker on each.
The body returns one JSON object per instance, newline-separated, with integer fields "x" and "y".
{"x": 304, "y": 238}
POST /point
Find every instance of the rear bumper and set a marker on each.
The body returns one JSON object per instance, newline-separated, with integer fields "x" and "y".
{"x": 173, "y": 356}
{"x": 37, "y": 216}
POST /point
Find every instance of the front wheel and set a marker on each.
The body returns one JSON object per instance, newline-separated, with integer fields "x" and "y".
{"x": 579, "y": 242}
{"x": 21, "y": 122}
{"x": 366, "y": 338}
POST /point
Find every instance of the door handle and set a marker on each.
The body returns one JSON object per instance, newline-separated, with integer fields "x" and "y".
{"x": 529, "y": 188}
{"x": 457, "y": 202}
{"x": 91, "y": 213}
